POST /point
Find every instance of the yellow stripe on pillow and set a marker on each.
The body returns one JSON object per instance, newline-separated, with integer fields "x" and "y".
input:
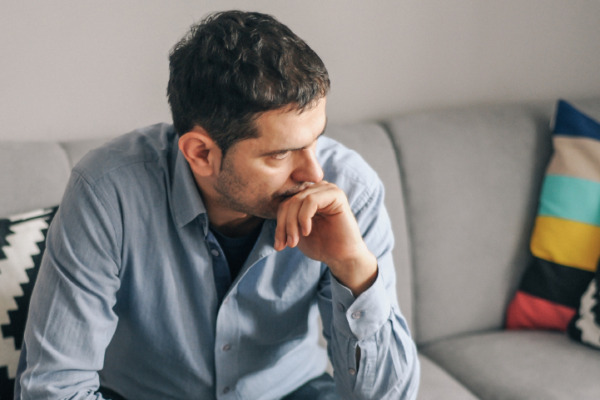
{"x": 569, "y": 243}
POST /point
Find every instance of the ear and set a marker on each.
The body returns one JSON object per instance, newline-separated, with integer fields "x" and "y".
{"x": 201, "y": 152}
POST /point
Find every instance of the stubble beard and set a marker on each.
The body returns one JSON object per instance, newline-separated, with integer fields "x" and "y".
{"x": 232, "y": 189}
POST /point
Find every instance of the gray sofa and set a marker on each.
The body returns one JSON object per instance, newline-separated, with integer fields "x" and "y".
{"x": 462, "y": 188}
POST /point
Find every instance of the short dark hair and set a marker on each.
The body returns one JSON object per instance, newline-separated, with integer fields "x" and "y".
{"x": 234, "y": 65}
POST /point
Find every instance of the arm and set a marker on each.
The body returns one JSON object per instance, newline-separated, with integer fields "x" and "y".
{"x": 368, "y": 340}
{"x": 71, "y": 320}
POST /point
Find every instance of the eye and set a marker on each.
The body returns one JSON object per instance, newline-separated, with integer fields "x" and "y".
{"x": 281, "y": 156}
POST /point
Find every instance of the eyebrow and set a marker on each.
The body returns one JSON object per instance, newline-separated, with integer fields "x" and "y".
{"x": 281, "y": 151}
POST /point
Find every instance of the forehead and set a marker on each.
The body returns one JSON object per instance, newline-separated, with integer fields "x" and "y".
{"x": 290, "y": 126}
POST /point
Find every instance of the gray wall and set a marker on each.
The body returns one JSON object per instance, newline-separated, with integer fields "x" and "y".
{"x": 80, "y": 69}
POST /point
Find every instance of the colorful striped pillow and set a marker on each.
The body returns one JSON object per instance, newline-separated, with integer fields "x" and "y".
{"x": 565, "y": 242}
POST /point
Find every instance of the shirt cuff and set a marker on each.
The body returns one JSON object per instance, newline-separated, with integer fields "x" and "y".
{"x": 363, "y": 316}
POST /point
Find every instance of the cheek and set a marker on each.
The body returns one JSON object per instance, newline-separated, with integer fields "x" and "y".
{"x": 270, "y": 185}
{"x": 273, "y": 177}
{"x": 255, "y": 184}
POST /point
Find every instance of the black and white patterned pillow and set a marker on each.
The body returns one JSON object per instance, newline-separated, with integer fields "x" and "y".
{"x": 585, "y": 325}
{"x": 22, "y": 243}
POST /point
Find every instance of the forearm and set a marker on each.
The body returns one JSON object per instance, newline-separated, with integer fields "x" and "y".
{"x": 62, "y": 351}
{"x": 370, "y": 346}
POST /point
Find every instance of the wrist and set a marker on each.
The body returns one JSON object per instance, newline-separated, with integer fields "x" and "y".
{"x": 356, "y": 273}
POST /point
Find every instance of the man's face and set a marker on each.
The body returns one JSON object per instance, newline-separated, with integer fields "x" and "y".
{"x": 257, "y": 174}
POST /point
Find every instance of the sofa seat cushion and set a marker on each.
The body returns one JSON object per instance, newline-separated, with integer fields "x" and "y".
{"x": 520, "y": 365}
{"x": 438, "y": 384}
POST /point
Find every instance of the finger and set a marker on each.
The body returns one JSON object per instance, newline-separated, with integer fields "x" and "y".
{"x": 306, "y": 213}
{"x": 314, "y": 201}
{"x": 304, "y": 209}
{"x": 289, "y": 223}
{"x": 280, "y": 233}
{"x": 292, "y": 230}
{"x": 287, "y": 232}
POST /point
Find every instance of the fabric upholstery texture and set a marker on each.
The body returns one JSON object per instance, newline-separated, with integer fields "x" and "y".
{"x": 524, "y": 365}
{"x": 470, "y": 175}
{"x": 566, "y": 236}
{"x": 437, "y": 384}
{"x": 34, "y": 176}
{"x": 22, "y": 243}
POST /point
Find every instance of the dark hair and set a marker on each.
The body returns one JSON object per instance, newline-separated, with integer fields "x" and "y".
{"x": 233, "y": 66}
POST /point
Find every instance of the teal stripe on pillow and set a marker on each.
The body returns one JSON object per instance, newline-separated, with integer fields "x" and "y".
{"x": 571, "y": 198}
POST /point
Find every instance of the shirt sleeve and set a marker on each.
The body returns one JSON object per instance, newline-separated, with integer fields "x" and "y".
{"x": 369, "y": 343}
{"x": 71, "y": 318}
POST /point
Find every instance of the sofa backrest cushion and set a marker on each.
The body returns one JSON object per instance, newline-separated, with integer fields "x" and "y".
{"x": 33, "y": 175}
{"x": 471, "y": 179}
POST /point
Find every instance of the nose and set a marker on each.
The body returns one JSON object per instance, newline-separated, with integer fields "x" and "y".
{"x": 308, "y": 168}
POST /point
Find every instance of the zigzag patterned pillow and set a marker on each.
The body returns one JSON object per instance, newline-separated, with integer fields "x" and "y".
{"x": 585, "y": 326}
{"x": 565, "y": 242}
{"x": 22, "y": 243}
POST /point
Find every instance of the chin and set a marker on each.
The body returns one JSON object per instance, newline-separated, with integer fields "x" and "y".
{"x": 269, "y": 212}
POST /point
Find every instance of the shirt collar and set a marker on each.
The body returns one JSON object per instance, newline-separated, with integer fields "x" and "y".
{"x": 186, "y": 201}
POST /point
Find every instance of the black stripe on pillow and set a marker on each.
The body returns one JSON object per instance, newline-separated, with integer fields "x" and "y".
{"x": 555, "y": 282}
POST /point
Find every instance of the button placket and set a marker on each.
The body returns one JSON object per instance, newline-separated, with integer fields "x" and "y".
{"x": 226, "y": 342}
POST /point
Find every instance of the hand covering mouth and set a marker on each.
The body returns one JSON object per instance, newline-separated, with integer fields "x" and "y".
{"x": 294, "y": 191}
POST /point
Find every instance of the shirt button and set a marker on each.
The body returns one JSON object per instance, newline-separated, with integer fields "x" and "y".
{"x": 226, "y": 347}
{"x": 215, "y": 252}
{"x": 356, "y": 314}
{"x": 352, "y": 371}
{"x": 226, "y": 389}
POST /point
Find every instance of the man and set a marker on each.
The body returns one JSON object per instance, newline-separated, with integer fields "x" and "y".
{"x": 189, "y": 261}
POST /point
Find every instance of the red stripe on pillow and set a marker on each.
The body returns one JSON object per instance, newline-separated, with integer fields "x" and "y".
{"x": 529, "y": 312}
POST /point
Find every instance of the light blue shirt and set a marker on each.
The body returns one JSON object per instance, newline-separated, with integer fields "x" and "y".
{"x": 126, "y": 295}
